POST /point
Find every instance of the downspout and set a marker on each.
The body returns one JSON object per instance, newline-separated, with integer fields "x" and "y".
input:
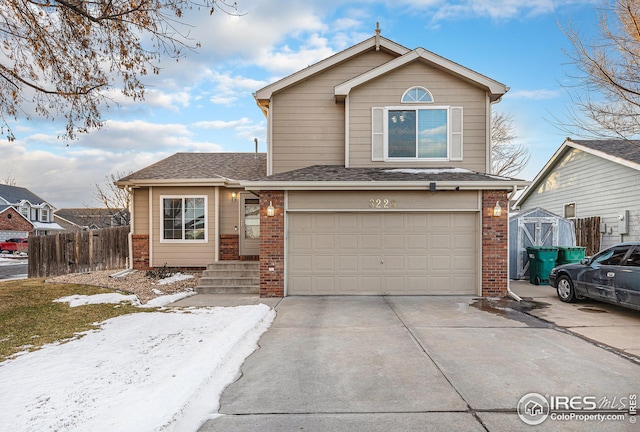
{"x": 510, "y": 293}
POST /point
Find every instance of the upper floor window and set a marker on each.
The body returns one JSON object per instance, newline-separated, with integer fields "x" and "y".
{"x": 183, "y": 218}
{"x": 417, "y": 94}
{"x": 407, "y": 133}
{"x": 417, "y": 133}
{"x": 44, "y": 214}
{"x": 25, "y": 212}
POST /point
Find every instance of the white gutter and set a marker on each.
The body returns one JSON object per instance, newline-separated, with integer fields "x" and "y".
{"x": 381, "y": 185}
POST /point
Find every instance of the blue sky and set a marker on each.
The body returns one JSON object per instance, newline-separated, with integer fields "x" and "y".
{"x": 204, "y": 102}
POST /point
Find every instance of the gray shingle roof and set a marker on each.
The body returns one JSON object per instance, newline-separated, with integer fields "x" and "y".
{"x": 15, "y": 194}
{"x": 625, "y": 149}
{"x": 337, "y": 173}
{"x": 232, "y": 166}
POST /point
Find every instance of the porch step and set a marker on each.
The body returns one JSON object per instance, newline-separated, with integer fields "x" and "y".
{"x": 230, "y": 277}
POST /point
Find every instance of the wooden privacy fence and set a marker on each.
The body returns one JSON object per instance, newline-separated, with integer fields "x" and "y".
{"x": 78, "y": 252}
{"x": 588, "y": 234}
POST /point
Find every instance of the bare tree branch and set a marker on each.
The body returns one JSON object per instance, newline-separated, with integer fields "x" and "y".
{"x": 58, "y": 56}
{"x": 606, "y": 94}
{"x": 507, "y": 157}
{"x": 115, "y": 199}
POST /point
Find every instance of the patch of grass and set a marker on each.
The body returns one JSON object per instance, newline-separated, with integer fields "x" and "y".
{"x": 30, "y": 319}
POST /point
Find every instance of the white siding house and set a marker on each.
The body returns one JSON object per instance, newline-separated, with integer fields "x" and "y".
{"x": 588, "y": 178}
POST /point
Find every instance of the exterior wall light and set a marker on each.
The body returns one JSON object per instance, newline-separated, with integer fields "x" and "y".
{"x": 271, "y": 211}
{"x": 234, "y": 196}
{"x": 497, "y": 210}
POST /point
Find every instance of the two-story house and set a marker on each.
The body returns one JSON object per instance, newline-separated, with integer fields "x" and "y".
{"x": 375, "y": 181}
{"x": 23, "y": 213}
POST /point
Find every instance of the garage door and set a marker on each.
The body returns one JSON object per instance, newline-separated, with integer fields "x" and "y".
{"x": 382, "y": 253}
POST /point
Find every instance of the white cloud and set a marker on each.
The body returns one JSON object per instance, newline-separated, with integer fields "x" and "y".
{"x": 219, "y": 124}
{"x": 538, "y": 94}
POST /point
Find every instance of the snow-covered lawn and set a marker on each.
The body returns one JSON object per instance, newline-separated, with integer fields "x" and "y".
{"x": 155, "y": 371}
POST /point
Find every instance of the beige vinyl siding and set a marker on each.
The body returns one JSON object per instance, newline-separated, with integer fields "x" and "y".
{"x": 229, "y": 211}
{"x": 308, "y": 126}
{"x": 141, "y": 211}
{"x": 447, "y": 90}
{"x": 361, "y": 201}
{"x": 183, "y": 254}
{"x": 598, "y": 187}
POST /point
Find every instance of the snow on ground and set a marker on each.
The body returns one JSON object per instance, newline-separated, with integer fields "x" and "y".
{"x": 157, "y": 371}
{"x": 81, "y": 300}
{"x": 174, "y": 278}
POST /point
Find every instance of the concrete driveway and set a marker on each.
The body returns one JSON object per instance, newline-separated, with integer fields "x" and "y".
{"x": 414, "y": 364}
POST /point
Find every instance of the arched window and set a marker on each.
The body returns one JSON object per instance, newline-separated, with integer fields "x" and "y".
{"x": 417, "y": 95}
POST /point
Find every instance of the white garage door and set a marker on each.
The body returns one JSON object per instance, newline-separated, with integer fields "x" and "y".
{"x": 382, "y": 253}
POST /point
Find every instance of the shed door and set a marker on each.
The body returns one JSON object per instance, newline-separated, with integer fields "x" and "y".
{"x": 534, "y": 231}
{"x": 382, "y": 253}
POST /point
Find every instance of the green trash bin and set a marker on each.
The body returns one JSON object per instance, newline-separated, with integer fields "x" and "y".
{"x": 542, "y": 259}
{"x": 569, "y": 254}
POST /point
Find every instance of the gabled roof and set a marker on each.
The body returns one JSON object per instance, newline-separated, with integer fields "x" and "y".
{"x": 376, "y": 42}
{"x": 623, "y": 152}
{"x": 87, "y": 217}
{"x": 213, "y": 169}
{"x": 495, "y": 89}
{"x": 15, "y": 195}
{"x": 334, "y": 177}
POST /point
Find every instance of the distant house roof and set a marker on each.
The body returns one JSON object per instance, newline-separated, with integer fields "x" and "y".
{"x": 623, "y": 152}
{"x": 337, "y": 176}
{"x": 15, "y": 194}
{"x": 200, "y": 168}
{"x": 86, "y": 218}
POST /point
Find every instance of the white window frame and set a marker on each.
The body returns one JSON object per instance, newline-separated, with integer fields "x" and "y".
{"x": 44, "y": 214}
{"x": 385, "y": 125}
{"x": 408, "y": 91}
{"x": 25, "y": 211}
{"x": 183, "y": 240}
{"x": 564, "y": 210}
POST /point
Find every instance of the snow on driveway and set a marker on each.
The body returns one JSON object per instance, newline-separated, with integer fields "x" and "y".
{"x": 156, "y": 371}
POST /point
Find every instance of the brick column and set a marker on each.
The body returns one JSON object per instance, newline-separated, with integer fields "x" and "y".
{"x": 140, "y": 248}
{"x": 272, "y": 245}
{"x": 495, "y": 244}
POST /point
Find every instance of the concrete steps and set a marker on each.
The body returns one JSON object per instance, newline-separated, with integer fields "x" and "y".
{"x": 230, "y": 277}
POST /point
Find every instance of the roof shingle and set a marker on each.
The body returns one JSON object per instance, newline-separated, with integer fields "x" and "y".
{"x": 232, "y": 166}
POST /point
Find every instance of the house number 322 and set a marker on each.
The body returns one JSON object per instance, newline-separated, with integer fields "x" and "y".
{"x": 382, "y": 203}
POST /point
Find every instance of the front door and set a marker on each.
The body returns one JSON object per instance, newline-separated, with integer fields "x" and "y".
{"x": 249, "y": 224}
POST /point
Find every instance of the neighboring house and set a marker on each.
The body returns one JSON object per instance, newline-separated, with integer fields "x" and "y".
{"x": 23, "y": 213}
{"x": 588, "y": 178}
{"x": 374, "y": 182}
{"x": 85, "y": 219}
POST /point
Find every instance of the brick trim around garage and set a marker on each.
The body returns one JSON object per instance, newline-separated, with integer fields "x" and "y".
{"x": 272, "y": 245}
{"x": 495, "y": 244}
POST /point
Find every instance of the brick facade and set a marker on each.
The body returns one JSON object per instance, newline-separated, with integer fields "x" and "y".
{"x": 272, "y": 245}
{"x": 140, "y": 251}
{"x": 11, "y": 220}
{"x": 229, "y": 247}
{"x": 495, "y": 245}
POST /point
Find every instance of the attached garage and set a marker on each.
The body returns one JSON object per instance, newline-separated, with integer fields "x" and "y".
{"x": 388, "y": 253}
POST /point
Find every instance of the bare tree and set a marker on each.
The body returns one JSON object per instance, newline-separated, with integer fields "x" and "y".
{"x": 606, "y": 96}
{"x": 507, "y": 157}
{"x": 9, "y": 180}
{"x": 117, "y": 200}
{"x": 57, "y": 57}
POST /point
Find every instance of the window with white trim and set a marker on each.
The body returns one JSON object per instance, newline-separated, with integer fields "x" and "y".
{"x": 25, "y": 212}
{"x": 417, "y": 95}
{"x": 417, "y": 133}
{"x": 570, "y": 211}
{"x": 183, "y": 218}
{"x": 44, "y": 215}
